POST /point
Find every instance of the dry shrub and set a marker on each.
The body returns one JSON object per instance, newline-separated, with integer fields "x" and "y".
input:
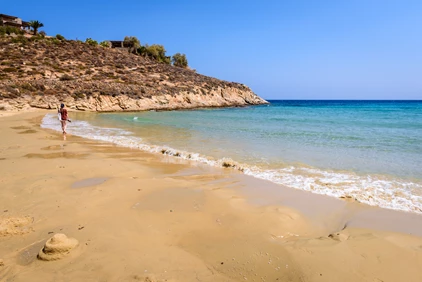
{"x": 66, "y": 77}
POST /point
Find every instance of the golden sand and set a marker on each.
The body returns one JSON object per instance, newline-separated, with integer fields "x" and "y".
{"x": 142, "y": 217}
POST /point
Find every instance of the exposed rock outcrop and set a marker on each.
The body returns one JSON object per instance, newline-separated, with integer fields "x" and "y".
{"x": 93, "y": 78}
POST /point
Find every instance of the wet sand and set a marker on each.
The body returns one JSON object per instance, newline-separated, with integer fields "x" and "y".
{"x": 143, "y": 217}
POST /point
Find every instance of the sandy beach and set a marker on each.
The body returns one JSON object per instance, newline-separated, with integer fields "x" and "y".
{"x": 143, "y": 217}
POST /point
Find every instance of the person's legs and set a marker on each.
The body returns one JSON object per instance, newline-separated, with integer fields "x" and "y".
{"x": 63, "y": 125}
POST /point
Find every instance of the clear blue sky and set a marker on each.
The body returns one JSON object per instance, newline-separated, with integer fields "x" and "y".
{"x": 282, "y": 49}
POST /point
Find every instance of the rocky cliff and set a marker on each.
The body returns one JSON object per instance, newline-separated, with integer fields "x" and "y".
{"x": 44, "y": 72}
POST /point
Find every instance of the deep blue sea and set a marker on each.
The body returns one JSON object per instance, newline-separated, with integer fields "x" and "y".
{"x": 370, "y": 150}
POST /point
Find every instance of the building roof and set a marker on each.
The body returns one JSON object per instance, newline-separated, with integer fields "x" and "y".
{"x": 7, "y": 17}
{"x": 12, "y": 21}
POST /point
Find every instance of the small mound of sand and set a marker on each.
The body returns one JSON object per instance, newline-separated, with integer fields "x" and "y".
{"x": 57, "y": 247}
{"x": 339, "y": 236}
{"x": 15, "y": 225}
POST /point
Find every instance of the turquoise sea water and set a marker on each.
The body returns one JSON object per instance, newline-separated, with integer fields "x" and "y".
{"x": 370, "y": 150}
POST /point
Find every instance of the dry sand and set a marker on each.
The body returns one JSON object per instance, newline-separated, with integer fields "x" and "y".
{"x": 140, "y": 217}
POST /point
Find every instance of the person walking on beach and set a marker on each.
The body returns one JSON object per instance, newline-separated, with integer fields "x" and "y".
{"x": 63, "y": 117}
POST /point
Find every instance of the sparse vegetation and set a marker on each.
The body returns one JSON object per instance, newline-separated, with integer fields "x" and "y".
{"x": 70, "y": 68}
{"x": 8, "y": 30}
{"x": 60, "y": 37}
{"x": 20, "y": 39}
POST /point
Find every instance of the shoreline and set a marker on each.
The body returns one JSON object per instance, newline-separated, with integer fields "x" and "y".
{"x": 297, "y": 175}
{"x": 132, "y": 211}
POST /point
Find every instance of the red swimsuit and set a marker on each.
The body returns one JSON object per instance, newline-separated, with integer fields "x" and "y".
{"x": 63, "y": 112}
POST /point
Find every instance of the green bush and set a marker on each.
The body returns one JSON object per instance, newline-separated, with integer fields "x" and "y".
{"x": 10, "y": 30}
{"x": 60, "y": 37}
{"x": 105, "y": 44}
{"x": 91, "y": 42}
{"x": 55, "y": 40}
{"x": 37, "y": 37}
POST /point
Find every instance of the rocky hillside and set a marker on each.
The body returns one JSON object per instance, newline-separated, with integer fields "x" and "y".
{"x": 42, "y": 73}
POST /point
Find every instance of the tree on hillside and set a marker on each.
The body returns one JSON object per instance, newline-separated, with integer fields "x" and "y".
{"x": 35, "y": 25}
{"x": 142, "y": 50}
{"x": 157, "y": 52}
{"x": 179, "y": 60}
{"x": 133, "y": 43}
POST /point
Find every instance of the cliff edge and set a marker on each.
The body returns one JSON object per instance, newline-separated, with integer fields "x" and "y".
{"x": 44, "y": 72}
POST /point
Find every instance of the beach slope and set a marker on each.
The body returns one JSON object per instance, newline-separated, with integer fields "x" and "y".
{"x": 133, "y": 216}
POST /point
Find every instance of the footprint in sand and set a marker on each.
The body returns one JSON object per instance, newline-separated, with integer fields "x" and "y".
{"x": 27, "y": 131}
{"x": 67, "y": 155}
{"x": 147, "y": 279}
{"x": 53, "y": 147}
{"x": 20, "y": 127}
{"x": 14, "y": 147}
{"x": 15, "y": 226}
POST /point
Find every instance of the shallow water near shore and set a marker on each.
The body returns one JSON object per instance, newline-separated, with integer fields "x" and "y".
{"x": 369, "y": 150}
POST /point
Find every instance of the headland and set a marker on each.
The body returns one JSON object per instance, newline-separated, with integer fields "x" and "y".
{"x": 43, "y": 72}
